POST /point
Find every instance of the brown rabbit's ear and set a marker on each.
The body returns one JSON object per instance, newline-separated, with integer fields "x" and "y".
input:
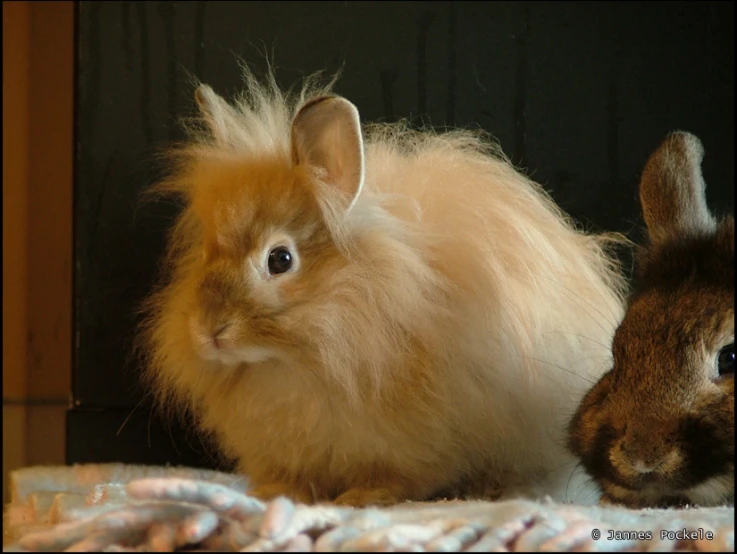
{"x": 326, "y": 133}
{"x": 672, "y": 189}
{"x": 218, "y": 114}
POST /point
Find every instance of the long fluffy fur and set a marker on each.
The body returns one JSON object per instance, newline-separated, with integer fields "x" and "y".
{"x": 460, "y": 318}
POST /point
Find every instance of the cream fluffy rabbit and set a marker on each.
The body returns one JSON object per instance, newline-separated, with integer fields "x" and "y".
{"x": 373, "y": 315}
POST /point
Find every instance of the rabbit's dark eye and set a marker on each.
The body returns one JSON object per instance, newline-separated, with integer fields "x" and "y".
{"x": 280, "y": 260}
{"x": 725, "y": 361}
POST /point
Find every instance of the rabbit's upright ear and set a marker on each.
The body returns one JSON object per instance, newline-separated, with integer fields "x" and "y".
{"x": 326, "y": 134}
{"x": 218, "y": 114}
{"x": 672, "y": 189}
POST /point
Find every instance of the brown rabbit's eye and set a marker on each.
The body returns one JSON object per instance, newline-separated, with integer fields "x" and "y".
{"x": 280, "y": 260}
{"x": 725, "y": 361}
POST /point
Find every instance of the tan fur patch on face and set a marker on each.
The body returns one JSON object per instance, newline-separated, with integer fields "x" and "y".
{"x": 239, "y": 202}
{"x": 632, "y": 467}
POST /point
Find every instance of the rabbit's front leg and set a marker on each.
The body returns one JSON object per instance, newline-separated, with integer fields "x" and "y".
{"x": 270, "y": 491}
{"x": 360, "y": 497}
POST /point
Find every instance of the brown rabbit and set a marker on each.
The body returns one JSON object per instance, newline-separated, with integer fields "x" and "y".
{"x": 369, "y": 314}
{"x": 658, "y": 429}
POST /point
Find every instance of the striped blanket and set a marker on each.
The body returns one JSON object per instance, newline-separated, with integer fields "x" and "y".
{"x": 116, "y": 507}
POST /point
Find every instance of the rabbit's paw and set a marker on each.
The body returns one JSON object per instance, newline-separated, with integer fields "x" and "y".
{"x": 359, "y": 497}
{"x": 274, "y": 490}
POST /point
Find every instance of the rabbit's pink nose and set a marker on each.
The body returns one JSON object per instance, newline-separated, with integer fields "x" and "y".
{"x": 209, "y": 335}
{"x": 217, "y": 334}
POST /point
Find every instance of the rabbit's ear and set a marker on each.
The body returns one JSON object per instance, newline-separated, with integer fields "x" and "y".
{"x": 672, "y": 189}
{"x": 218, "y": 114}
{"x": 326, "y": 134}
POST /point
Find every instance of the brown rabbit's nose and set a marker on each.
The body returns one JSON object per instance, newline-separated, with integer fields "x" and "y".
{"x": 646, "y": 452}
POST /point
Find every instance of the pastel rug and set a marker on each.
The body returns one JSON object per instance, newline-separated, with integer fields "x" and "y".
{"x": 128, "y": 508}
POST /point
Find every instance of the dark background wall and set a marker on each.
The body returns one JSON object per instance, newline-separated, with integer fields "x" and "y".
{"x": 578, "y": 94}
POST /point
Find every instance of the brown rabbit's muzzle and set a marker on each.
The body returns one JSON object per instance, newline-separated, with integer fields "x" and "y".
{"x": 642, "y": 457}
{"x": 642, "y": 453}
